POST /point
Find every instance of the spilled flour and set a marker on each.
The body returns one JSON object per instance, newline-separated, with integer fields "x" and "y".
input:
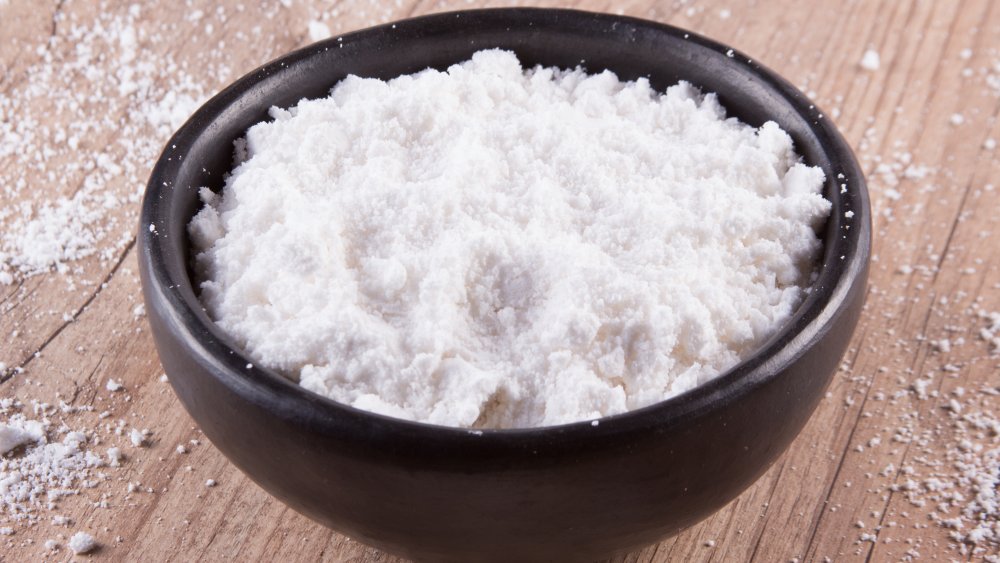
{"x": 493, "y": 246}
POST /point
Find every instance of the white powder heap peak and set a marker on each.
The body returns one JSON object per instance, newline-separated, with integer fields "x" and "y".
{"x": 498, "y": 247}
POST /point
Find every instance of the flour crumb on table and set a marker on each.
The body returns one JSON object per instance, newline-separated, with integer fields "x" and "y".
{"x": 138, "y": 437}
{"x": 871, "y": 60}
{"x": 318, "y": 31}
{"x": 82, "y": 542}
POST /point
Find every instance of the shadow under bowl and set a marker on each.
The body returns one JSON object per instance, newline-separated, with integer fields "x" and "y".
{"x": 569, "y": 492}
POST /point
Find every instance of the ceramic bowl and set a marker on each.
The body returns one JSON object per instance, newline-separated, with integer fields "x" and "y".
{"x": 560, "y": 493}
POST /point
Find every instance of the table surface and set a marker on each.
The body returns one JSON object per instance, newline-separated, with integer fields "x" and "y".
{"x": 90, "y": 92}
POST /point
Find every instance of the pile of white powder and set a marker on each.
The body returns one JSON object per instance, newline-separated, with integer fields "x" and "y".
{"x": 498, "y": 247}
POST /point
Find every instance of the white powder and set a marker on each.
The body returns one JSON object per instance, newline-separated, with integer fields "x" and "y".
{"x": 870, "y": 60}
{"x": 114, "y": 457}
{"x": 318, "y": 31}
{"x": 58, "y": 232}
{"x": 64, "y": 100}
{"x": 45, "y": 471}
{"x": 82, "y": 542}
{"x": 18, "y": 433}
{"x": 991, "y": 332}
{"x": 498, "y": 247}
{"x": 137, "y": 437}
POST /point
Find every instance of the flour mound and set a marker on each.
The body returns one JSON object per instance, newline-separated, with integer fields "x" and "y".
{"x": 493, "y": 246}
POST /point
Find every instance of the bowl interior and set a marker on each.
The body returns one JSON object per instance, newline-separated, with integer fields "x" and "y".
{"x": 200, "y": 154}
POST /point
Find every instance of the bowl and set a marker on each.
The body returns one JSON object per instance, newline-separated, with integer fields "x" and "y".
{"x": 568, "y": 492}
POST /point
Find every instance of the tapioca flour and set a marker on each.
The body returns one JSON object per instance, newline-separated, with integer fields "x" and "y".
{"x": 494, "y": 246}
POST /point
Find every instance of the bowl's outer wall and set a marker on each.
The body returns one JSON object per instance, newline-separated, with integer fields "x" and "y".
{"x": 573, "y": 492}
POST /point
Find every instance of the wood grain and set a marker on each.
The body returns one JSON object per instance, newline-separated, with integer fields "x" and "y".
{"x": 935, "y": 258}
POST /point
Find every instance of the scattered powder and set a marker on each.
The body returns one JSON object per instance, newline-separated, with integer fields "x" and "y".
{"x": 35, "y": 473}
{"x": 992, "y": 78}
{"x": 82, "y": 542}
{"x": 870, "y": 60}
{"x": 991, "y": 332}
{"x": 963, "y": 484}
{"x": 49, "y": 237}
{"x": 99, "y": 164}
{"x": 498, "y": 247}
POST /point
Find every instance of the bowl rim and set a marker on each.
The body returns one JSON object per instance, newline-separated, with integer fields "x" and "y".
{"x": 165, "y": 288}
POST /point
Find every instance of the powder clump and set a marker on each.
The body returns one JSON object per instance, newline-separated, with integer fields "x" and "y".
{"x": 493, "y": 246}
{"x": 82, "y": 542}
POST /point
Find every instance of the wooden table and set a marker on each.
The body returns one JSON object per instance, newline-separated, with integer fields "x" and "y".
{"x": 920, "y": 123}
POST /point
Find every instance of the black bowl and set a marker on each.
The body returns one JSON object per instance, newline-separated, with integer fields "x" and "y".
{"x": 569, "y": 492}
